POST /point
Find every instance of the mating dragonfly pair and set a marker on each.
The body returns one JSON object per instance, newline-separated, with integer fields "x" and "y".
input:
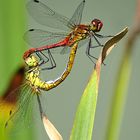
{"x": 77, "y": 34}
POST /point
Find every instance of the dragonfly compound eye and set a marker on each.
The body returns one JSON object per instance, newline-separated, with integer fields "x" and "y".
{"x": 97, "y": 25}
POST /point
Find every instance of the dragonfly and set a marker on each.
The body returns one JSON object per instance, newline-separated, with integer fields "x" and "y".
{"x": 42, "y": 40}
{"x": 34, "y": 85}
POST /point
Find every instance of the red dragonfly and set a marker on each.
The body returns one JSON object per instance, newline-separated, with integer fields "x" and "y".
{"x": 76, "y": 32}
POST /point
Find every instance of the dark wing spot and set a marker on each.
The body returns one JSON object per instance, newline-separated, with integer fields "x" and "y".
{"x": 31, "y": 30}
{"x": 36, "y": 1}
{"x": 10, "y": 112}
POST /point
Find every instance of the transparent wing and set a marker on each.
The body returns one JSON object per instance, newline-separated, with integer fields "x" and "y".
{"x": 66, "y": 49}
{"x": 60, "y": 49}
{"x": 46, "y": 16}
{"x": 38, "y": 38}
{"x": 77, "y": 16}
{"x": 24, "y": 105}
{"x": 18, "y": 114}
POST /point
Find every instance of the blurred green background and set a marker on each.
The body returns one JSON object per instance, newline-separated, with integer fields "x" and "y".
{"x": 61, "y": 102}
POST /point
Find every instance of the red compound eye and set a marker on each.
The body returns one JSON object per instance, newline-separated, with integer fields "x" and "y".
{"x": 97, "y": 23}
{"x": 100, "y": 25}
{"x": 94, "y": 23}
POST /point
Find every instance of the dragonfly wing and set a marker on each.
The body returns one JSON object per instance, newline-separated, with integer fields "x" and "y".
{"x": 37, "y": 38}
{"x": 25, "y": 107}
{"x": 83, "y": 42}
{"x": 18, "y": 114}
{"x": 59, "y": 50}
{"x": 67, "y": 49}
{"x": 46, "y": 16}
{"x": 77, "y": 16}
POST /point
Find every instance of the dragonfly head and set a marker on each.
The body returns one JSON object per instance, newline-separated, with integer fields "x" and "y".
{"x": 31, "y": 61}
{"x": 96, "y": 25}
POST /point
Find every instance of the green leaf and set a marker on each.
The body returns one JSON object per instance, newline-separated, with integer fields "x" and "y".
{"x": 84, "y": 119}
{"x": 12, "y": 28}
{"x": 83, "y": 124}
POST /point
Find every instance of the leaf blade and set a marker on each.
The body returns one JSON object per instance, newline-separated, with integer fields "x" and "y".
{"x": 85, "y": 115}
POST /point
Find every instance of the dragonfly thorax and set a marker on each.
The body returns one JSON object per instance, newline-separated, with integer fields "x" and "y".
{"x": 96, "y": 25}
{"x": 32, "y": 76}
{"x": 79, "y": 33}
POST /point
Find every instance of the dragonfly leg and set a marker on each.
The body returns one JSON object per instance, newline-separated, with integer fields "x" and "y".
{"x": 96, "y": 41}
{"x": 40, "y": 106}
{"x": 102, "y": 36}
{"x": 88, "y": 52}
{"x": 42, "y": 61}
{"x": 53, "y": 63}
{"x": 51, "y": 59}
{"x": 97, "y": 46}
